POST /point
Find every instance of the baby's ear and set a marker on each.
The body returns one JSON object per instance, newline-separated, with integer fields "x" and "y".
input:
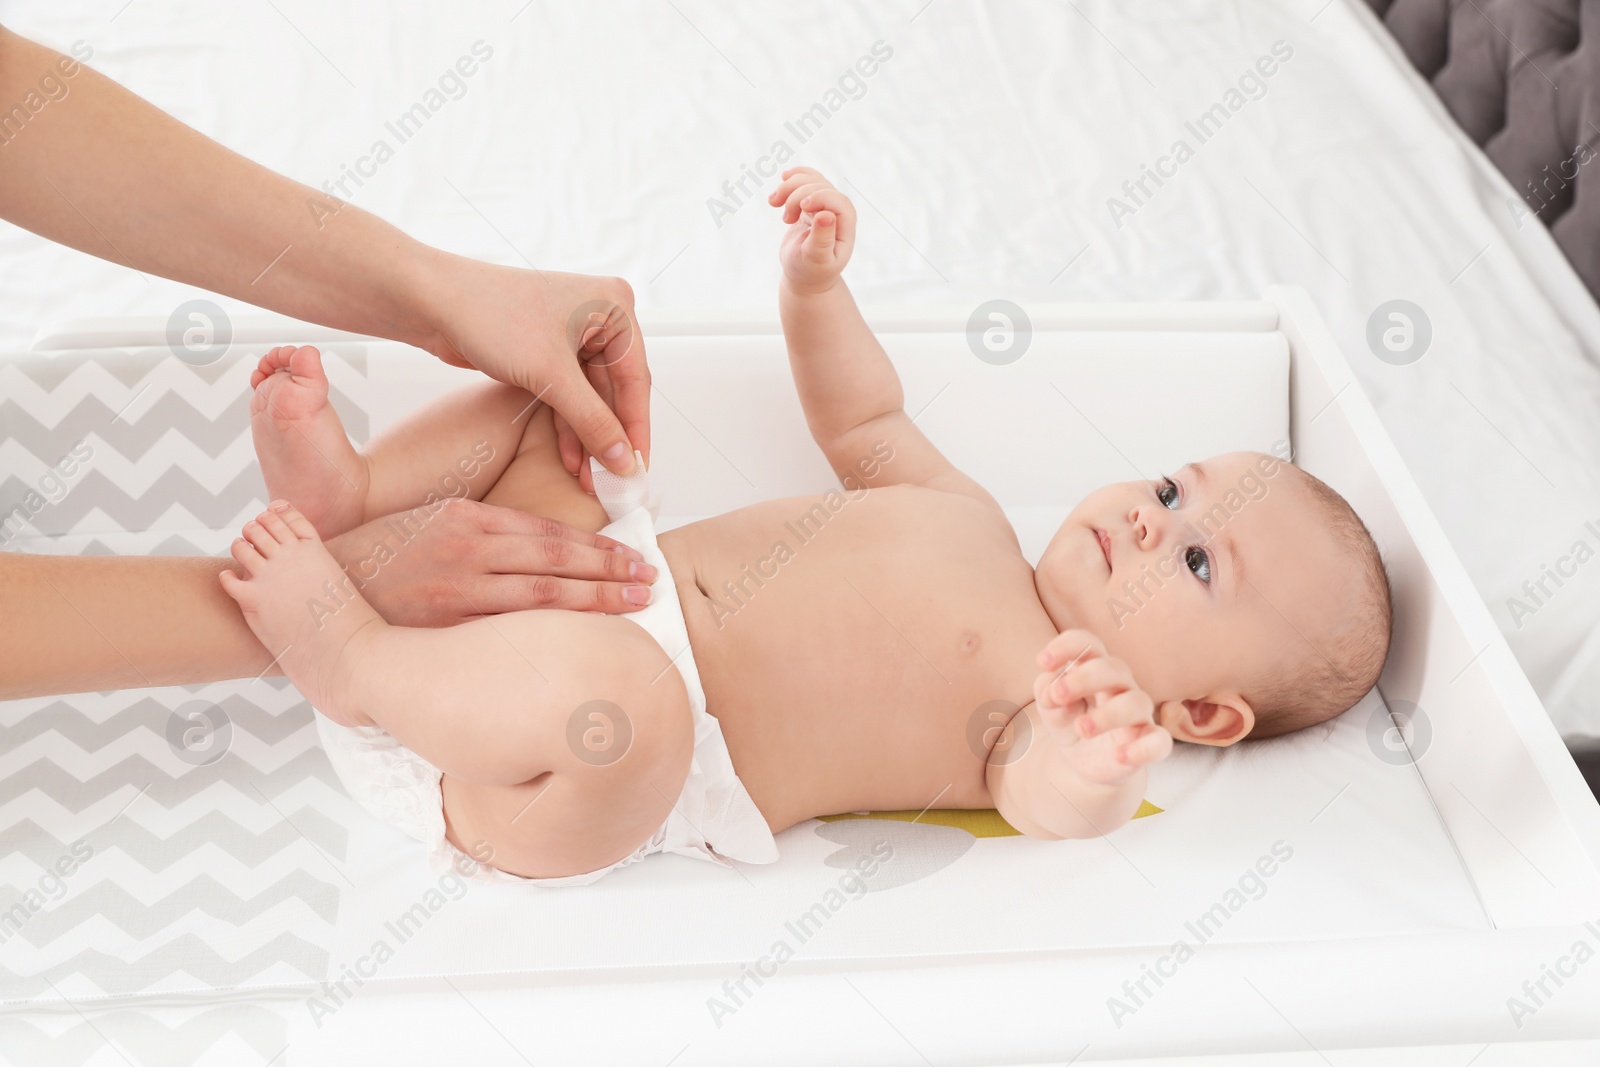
{"x": 1219, "y": 721}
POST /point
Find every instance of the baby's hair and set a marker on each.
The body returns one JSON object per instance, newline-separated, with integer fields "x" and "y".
{"x": 1334, "y": 673}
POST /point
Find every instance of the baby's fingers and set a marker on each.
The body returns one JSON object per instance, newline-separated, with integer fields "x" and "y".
{"x": 832, "y": 200}
{"x": 1152, "y": 745}
{"x": 791, "y": 208}
{"x": 1101, "y": 675}
{"x": 1056, "y": 712}
{"x": 791, "y": 180}
{"x": 1112, "y": 758}
{"x": 1130, "y": 708}
{"x": 826, "y": 198}
{"x": 819, "y": 242}
{"x": 1070, "y": 646}
{"x": 787, "y": 188}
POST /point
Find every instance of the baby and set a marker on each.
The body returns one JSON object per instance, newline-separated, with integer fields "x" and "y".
{"x": 876, "y": 648}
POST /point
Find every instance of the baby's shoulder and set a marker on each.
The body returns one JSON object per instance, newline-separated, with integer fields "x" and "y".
{"x": 936, "y": 520}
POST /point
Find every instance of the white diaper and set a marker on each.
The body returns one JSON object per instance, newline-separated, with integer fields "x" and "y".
{"x": 713, "y": 818}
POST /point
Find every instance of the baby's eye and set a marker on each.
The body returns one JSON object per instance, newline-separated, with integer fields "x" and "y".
{"x": 1199, "y": 563}
{"x": 1168, "y": 494}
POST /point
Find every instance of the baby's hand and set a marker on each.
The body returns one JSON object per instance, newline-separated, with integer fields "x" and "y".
{"x": 822, "y": 229}
{"x": 1094, "y": 710}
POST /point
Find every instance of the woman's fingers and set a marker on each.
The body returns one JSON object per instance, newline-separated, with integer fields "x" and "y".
{"x": 630, "y": 384}
{"x": 599, "y": 376}
{"x": 615, "y": 365}
{"x": 612, "y": 328}
{"x": 567, "y": 444}
{"x": 562, "y": 557}
{"x": 573, "y": 457}
{"x": 595, "y": 424}
{"x": 495, "y": 594}
{"x": 493, "y": 519}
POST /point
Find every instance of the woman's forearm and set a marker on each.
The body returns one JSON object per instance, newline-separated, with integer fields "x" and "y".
{"x": 103, "y": 171}
{"x": 87, "y": 163}
{"x": 116, "y": 622}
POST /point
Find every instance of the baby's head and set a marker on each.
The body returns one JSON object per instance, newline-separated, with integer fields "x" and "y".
{"x": 1245, "y": 595}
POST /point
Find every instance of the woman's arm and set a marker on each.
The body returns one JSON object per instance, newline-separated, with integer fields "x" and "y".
{"x": 102, "y": 170}
{"x": 74, "y": 623}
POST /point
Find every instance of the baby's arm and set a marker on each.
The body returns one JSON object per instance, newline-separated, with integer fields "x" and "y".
{"x": 1072, "y": 763}
{"x": 851, "y": 394}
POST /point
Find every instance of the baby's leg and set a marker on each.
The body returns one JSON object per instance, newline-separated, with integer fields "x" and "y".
{"x": 457, "y": 446}
{"x": 304, "y": 452}
{"x": 564, "y": 737}
{"x": 536, "y": 482}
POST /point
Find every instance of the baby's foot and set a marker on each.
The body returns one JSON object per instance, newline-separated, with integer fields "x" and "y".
{"x": 304, "y": 453}
{"x": 301, "y": 606}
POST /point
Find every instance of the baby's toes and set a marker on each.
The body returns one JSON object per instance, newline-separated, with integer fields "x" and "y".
{"x": 247, "y": 556}
{"x": 270, "y": 364}
{"x": 262, "y": 541}
{"x": 272, "y": 522}
{"x": 305, "y": 363}
{"x": 297, "y": 523}
{"x": 236, "y": 587}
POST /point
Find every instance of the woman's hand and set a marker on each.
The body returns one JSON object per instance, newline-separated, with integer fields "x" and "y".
{"x": 107, "y": 157}
{"x": 437, "y": 566}
{"x": 569, "y": 339}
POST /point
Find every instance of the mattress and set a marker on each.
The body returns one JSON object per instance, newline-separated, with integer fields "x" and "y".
{"x": 223, "y": 893}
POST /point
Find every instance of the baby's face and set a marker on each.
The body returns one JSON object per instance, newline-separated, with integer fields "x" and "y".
{"x": 1199, "y": 582}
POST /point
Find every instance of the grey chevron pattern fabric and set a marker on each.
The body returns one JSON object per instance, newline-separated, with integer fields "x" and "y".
{"x": 161, "y": 841}
{"x": 134, "y": 441}
{"x": 252, "y": 1033}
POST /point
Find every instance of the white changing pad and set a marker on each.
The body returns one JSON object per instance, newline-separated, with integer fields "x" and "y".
{"x": 1365, "y": 857}
{"x": 256, "y": 870}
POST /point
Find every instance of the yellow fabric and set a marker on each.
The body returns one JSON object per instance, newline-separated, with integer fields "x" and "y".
{"x": 979, "y": 823}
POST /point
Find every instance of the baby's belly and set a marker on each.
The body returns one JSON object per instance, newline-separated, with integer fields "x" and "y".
{"x": 846, "y": 651}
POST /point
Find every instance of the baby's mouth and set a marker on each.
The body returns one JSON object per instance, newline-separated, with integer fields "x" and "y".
{"x": 1105, "y": 545}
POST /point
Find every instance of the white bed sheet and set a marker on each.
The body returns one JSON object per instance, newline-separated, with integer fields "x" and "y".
{"x": 981, "y": 155}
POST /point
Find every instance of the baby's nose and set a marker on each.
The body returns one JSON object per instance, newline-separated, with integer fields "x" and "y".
{"x": 1146, "y": 527}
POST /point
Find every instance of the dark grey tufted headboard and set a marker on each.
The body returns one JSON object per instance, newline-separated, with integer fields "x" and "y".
{"x": 1522, "y": 77}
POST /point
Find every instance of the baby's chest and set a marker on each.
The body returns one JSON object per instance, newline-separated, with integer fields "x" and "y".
{"x": 892, "y": 655}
